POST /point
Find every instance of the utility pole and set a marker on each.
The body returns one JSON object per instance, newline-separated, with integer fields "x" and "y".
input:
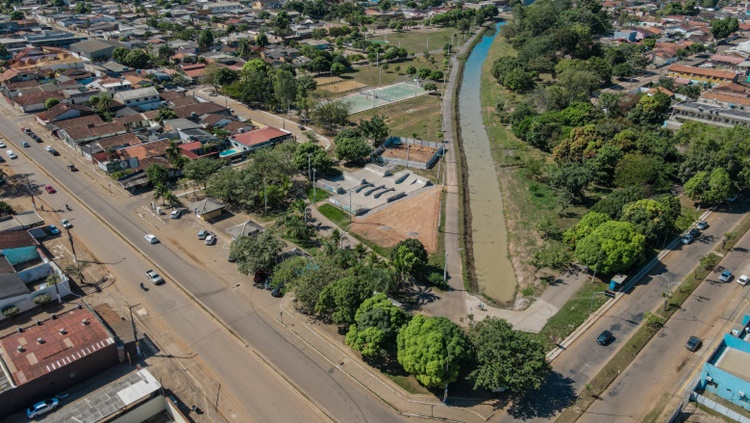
{"x": 308, "y": 166}
{"x": 135, "y": 334}
{"x": 265, "y": 198}
{"x": 31, "y": 192}
{"x": 315, "y": 192}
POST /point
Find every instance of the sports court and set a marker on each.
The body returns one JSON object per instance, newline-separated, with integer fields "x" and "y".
{"x": 378, "y": 97}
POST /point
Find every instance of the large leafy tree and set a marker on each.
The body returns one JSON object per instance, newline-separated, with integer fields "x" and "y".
{"x": 307, "y": 279}
{"x": 612, "y": 247}
{"x": 414, "y": 246}
{"x": 200, "y": 170}
{"x": 351, "y": 149}
{"x": 206, "y": 39}
{"x": 256, "y": 253}
{"x": 432, "y": 349}
{"x": 588, "y": 223}
{"x": 651, "y": 218}
{"x": 722, "y": 28}
{"x": 341, "y": 299}
{"x": 136, "y": 58}
{"x": 376, "y": 325}
{"x": 313, "y": 155}
{"x": 285, "y": 88}
{"x": 331, "y": 113}
{"x": 506, "y": 358}
{"x": 375, "y": 129}
{"x": 710, "y": 188}
{"x": 157, "y": 175}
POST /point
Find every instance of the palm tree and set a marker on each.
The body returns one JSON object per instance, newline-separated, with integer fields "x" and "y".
{"x": 171, "y": 198}
{"x": 160, "y": 191}
{"x": 76, "y": 269}
{"x": 173, "y": 151}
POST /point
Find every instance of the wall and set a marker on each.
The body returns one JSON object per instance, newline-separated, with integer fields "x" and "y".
{"x": 35, "y": 273}
{"x": 26, "y": 302}
{"x": 725, "y": 384}
{"x": 143, "y": 411}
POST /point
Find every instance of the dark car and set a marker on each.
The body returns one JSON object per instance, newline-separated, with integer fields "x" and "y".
{"x": 277, "y": 292}
{"x": 693, "y": 343}
{"x": 72, "y": 168}
{"x": 259, "y": 276}
{"x": 604, "y": 338}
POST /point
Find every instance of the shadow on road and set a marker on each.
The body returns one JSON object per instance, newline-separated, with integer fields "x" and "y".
{"x": 556, "y": 394}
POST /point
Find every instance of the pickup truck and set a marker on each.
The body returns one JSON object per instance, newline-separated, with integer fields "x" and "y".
{"x": 155, "y": 278}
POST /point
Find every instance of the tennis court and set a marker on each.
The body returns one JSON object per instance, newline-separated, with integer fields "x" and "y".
{"x": 378, "y": 97}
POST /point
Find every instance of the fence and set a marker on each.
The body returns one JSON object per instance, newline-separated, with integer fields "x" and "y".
{"x": 713, "y": 405}
{"x": 395, "y": 141}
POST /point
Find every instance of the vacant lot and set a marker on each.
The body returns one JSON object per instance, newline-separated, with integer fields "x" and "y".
{"x": 412, "y": 217}
{"x": 418, "y": 40}
{"x": 370, "y": 75}
{"x": 417, "y": 117}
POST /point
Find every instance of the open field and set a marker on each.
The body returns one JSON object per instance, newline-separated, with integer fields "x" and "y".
{"x": 341, "y": 86}
{"x": 370, "y": 75}
{"x": 411, "y": 217}
{"x": 416, "y": 153}
{"x": 417, "y": 41}
{"x": 417, "y": 117}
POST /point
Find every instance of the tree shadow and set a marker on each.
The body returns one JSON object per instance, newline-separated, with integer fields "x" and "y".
{"x": 556, "y": 394}
{"x": 415, "y": 295}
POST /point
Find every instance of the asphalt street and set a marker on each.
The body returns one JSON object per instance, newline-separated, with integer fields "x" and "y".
{"x": 707, "y": 314}
{"x": 575, "y": 366}
{"x": 265, "y": 395}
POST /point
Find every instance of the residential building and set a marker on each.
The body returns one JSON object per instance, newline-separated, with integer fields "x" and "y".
{"x": 96, "y": 49}
{"x": 223, "y": 7}
{"x": 110, "y": 85}
{"x": 708, "y": 114}
{"x": 259, "y": 138}
{"x": 708, "y": 76}
{"x": 143, "y": 98}
{"x": 62, "y": 111}
{"x": 52, "y": 39}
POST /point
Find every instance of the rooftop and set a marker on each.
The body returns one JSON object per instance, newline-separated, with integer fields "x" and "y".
{"x": 716, "y": 73}
{"x": 259, "y": 136}
{"x": 72, "y": 335}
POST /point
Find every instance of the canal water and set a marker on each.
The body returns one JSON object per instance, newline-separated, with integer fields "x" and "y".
{"x": 494, "y": 271}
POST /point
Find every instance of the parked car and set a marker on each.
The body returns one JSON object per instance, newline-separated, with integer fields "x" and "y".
{"x": 691, "y": 236}
{"x": 693, "y": 343}
{"x": 53, "y": 152}
{"x": 25, "y": 144}
{"x": 259, "y": 276}
{"x": 743, "y": 280}
{"x": 725, "y": 276}
{"x": 2, "y": 144}
{"x": 72, "y": 168}
{"x": 12, "y": 155}
{"x": 604, "y": 338}
{"x": 210, "y": 239}
{"x": 66, "y": 224}
{"x": 26, "y": 130}
{"x": 175, "y": 214}
{"x": 267, "y": 285}
{"x": 152, "y": 239}
{"x": 231, "y": 259}
{"x": 42, "y": 407}
{"x": 202, "y": 234}
{"x": 277, "y": 292}
{"x": 36, "y": 138}
{"x": 49, "y": 189}
{"x": 155, "y": 278}
{"x": 53, "y": 230}
{"x": 702, "y": 225}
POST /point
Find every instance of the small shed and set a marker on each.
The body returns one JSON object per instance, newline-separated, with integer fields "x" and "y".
{"x": 207, "y": 209}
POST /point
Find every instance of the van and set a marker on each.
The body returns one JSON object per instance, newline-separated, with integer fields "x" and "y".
{"x": 202, "y": 234}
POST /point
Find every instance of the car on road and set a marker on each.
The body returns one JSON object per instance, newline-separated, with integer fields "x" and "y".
{"x": 25, "y": 144}
{"x": 48, "y": 148}
{"x": 152, "y": 239}
{"x": 604, "y": 338}
{"x": 36, "y": 138}
{"x": 155, "y": 278}
{"x": 693, "y": 343}
{"x": 2, "y": 144}
{"x": 691, "y": 236}
{"x": 210, "y": 239}
{"x": 26, "y": 131}
{"x": 725, "y": 276}
{"x": 66, "y": 224}
{"x": 42, "y": 407}
{"x": 12, "y": 155}
{"x": 743, "y": 280}
{"x": 72, "y": 168}
{"x": 53, "y": 152}
{"x": 175, "y": 214}
{"x": 53, "y": 230}
{"x": 702, "y": 225}
{"x": 202, "y": 234}
{"x": 49, "y": 189}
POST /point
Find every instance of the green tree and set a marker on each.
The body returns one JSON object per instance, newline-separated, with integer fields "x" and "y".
{"x": 16, "y": 15}
{"x": 432, "y": 349}
{"x": 376, "y": 325}
{"x": 166, "y": 52}
{"x": 506, "y": 358}
{"x": 341, "y": 299}
{"x": 411, "y": 70}
{"x": 708, "y": 188}
{"x": 612, "y": 247}
{"x": 293, "y": 226}
{"x": 307, "y": 279}
{"x": 331, "y": 113}
{"x": 572, "y": 180}
{"x": 6, "y": 208}
{"x": 51, "y": 102}
{"x": 723, "y": 28}
{"x": 406, "y": 262}
{"x": 375, "y": 129}
{"x": 651, "y": 218}
{"x": 588, "y": 223}
{"x": 256, "y": 253}
{"x": 351, "y": 149}
{"x": 200, "y": 170}
{"x": 261, "y": 40}
{"x": 206, "y": 39}
{"x": 413, "y": 246}
{"x": 614, "y": 203}
{"x": 137, "y": 59}
{"x": 314, "y": 155}
{"x": 157, "y": 175}
{"x": 285, "y": 88}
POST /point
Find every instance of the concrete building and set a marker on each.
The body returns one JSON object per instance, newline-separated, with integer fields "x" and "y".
{"x": 223, "y": 7}
{"x": 95, "y": 49}
{"x": 46, "y": 356}
{"x": 709, "y": 76}
{"x": 143, "y": 98}
{"x": 207, "y": 209}
{"x": 709, "y": 114}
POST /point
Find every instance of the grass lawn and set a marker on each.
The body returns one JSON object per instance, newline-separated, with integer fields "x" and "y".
{"x": 573, "y": 313}
{"x": 336, "y": 215}
{"x": 370, "y": 75}
{"x": 526, "y": 201}
{"x": 416, "y": 41}
{"x": 315, "y": 195}
{"x": 418, "y": 115}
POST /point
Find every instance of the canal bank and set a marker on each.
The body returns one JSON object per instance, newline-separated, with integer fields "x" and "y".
{"x": 486, "y": 239}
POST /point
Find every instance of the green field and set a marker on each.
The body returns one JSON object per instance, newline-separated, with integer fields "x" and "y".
{"x": 417, "y": 41}
{"x": 419, "y": 115}
{"x": 370, "y": 75}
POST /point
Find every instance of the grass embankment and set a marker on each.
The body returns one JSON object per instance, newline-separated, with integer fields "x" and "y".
{"x": 643, "y": 335}
{"x": 526, "y": 201}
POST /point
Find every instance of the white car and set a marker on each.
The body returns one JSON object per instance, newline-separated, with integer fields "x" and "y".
{"x": 12, "y": 155}
{"x": 66, "y": 224}
{"x": 175, "y": 214}
{"x": 48, "y": 148}
{"x": 743, "y": 280}
{"x": 210, "y": 239}
{"x": 155, "y": 278}
{"x": 2, "y": 144}
{"x": 152, "y": 239}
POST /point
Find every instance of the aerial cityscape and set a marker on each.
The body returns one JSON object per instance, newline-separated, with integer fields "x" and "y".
{"x": 378, "y": 211}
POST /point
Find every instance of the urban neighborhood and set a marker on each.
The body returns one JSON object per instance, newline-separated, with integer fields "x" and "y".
{"x": 383, "y": 211}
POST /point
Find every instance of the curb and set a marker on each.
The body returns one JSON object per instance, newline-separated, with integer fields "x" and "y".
{"x": 601, "y": 311}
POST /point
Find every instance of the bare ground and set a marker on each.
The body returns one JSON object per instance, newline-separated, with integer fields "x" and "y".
{"x": 415, "y": 217}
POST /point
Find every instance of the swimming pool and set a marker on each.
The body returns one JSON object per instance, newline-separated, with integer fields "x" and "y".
{"x": 229, "y": 152}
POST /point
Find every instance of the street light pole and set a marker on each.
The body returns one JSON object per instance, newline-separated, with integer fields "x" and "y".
{"x": 315, "y": 192}
{"x": 135, "y": 334}
{"x": 309, "y": 155}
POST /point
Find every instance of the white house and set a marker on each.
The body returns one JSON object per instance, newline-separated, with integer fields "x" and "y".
{"x": 144, "y": 98}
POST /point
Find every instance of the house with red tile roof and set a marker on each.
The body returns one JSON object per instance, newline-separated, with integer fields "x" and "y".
{"x": 710, "y": 76}
{"x": 259, "y": 138}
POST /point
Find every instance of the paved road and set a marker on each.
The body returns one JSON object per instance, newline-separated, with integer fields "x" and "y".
{"x": 707, "y": 315}
{"x": 584, "y": 358}
{"x": 264, "y": 394}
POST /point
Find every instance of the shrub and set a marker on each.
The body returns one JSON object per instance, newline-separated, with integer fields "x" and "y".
{"x": 10, "y": 311}
{"x": 42, "y": 299}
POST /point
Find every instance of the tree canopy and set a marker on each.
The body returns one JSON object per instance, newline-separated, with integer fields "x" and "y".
{"x": 376, "y": 325}
{"x": 256, "y": 253}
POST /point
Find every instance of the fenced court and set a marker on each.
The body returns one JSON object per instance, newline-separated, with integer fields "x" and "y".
{"x": 378, "y": 97}
{"x": 343, "y": 86}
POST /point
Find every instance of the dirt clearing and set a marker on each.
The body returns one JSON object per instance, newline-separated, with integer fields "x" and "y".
{"x": 415, "y": 217}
